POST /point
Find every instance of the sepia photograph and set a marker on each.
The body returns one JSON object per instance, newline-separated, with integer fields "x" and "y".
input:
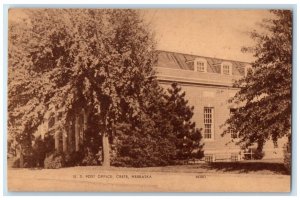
{"x": 149, "y": 100}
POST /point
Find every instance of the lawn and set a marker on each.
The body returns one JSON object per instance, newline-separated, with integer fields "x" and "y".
{"x": 246, "y": 176}
{"x": 264, "y": 167}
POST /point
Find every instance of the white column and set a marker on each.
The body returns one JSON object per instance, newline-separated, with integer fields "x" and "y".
{"x": 64, "y": 138}
{"x": 70, "y": 133}
{"x": 57, "y": 133}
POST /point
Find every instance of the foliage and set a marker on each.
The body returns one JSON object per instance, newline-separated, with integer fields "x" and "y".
{"x": 55, "y": 160}
{"x": 264, "y": 99}
{"x": 258, "y": 154}
{"x": 90, "y": 158}
{"x": 146, "y": 140}
{"x": 99, "y": 60}
{"x": 92, "y": 145}
{"x": 287, "y": 156}
{"x": 164, "y": 135}
{"x": 180, "y": 114}
{"x": 36, "y": 154}
{"x": 16, "y": 163}
{"x": 28, "y": 162}
{"x": 73, "y": 158}
{"x": 40, "y": 149}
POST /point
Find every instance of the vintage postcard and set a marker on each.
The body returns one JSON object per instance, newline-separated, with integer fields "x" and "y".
{"x": 149, "y": 100}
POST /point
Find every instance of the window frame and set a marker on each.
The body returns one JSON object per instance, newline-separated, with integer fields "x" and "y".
{"x": 208, "y": 119}
{"x": 234, "y": 157}
{"x": 209, "y": 158}
{"x": 202, "y": 61}
{"x": 229, "y": 64}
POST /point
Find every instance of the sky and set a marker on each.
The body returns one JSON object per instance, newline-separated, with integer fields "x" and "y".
{"x": 211, "y": 33}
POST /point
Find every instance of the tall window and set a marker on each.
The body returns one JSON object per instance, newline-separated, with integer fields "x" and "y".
{"x": 226, "y": 68}
{"x": 208, "y": 122}
{"x": 200, "y": 65}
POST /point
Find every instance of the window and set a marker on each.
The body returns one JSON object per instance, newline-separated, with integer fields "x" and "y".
{"x": 234, "y": 157}
{"x": 226, "y": 68}
{"x": 275, "y": 144}
{"x": 200, "y": 65}
{"x": 208, "y": 122}
{"x": 209, "y": 158}
{"x": 233, "y": 134}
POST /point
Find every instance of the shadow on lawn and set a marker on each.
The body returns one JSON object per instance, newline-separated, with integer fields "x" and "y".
{"x": 248, "y": 167}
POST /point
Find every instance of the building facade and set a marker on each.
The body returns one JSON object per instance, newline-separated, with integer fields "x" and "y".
{"x": 208, "y": 83}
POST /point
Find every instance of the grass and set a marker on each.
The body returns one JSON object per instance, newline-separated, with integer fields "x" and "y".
{"x": 263, "y": 167}
{"x": 243, "y": 167}
{"x": 258, "y": 167}
{"x": 219, "y": 177}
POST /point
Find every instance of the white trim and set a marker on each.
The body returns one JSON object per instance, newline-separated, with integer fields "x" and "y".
{"x": 230, "y": 67}
{"x": 223, "y": 151}
{"x": 175, "y": 69}
{"x": 194, "y": 81}
{"x": 202, "y": 60}
{"x": 212, "y": 128}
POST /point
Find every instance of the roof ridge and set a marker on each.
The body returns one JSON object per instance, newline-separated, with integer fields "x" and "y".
{"x": 204, "y": 56}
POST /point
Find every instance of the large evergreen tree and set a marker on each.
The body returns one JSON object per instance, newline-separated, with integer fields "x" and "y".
{"x": 163, "y": 134}
{"x": 147, "y": 140}
{"x": 264, "y": 100}
{"x": 179, "y": 114}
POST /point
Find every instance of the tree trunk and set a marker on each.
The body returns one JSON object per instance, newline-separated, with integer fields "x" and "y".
{"x": 105, "y": 151}
{"x": 65, "y": 143}
{"x": 85, "y": 119}
{"x": 70, "y": 136}
{"x": 77, "y": 132}
{"x": 56, "y": 139}
{"x": 21, "y": 159}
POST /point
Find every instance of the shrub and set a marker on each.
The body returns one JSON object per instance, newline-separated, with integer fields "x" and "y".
{"x": 55, "y": 160}
{"x": 35, "y": 156}
{"x": 16, "y": 163}
{"x": 258, "y": 154}
{"x": 28, "y": 162}
{"x": 73, "y": 158}
{"x": 138, "y": 150}
{"x": 90, "y": 158}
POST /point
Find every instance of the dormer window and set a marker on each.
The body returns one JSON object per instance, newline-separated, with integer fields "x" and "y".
{"x": 226, "y": 68}
{"x": 200, "y": 65}
{"x": 247, "y": 68}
